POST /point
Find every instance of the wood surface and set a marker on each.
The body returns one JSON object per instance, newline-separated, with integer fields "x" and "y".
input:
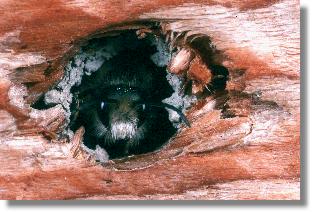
{"x": 253, "y": 153}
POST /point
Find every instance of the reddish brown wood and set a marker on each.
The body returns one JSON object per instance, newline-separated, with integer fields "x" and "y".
{"x": 244, "y": 144}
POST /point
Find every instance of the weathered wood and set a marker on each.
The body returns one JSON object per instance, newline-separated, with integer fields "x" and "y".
{"x": 243, "y": 144}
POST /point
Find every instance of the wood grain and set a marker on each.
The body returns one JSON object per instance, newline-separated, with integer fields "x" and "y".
{"x": 243, "y": 143}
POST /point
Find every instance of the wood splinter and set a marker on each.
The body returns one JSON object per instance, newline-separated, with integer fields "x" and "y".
{"x": 75, "y": 150}
{"x": 186, "y": 61}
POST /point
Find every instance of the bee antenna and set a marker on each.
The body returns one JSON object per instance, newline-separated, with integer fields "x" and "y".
{"x": 171, "y": 107}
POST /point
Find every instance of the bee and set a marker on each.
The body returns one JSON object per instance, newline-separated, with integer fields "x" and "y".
{"x": 121, "y": 108}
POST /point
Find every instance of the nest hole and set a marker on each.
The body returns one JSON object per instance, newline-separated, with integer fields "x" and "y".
{"x": 118, "y": 87}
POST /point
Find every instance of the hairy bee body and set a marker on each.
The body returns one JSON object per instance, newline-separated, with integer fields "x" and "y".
{"x": 114, "y": 112}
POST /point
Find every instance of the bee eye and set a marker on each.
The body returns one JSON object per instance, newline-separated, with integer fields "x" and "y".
{"x": 103, "y": 105}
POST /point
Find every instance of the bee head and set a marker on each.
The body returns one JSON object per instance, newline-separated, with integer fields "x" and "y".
{"x": 122, "y": 111}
